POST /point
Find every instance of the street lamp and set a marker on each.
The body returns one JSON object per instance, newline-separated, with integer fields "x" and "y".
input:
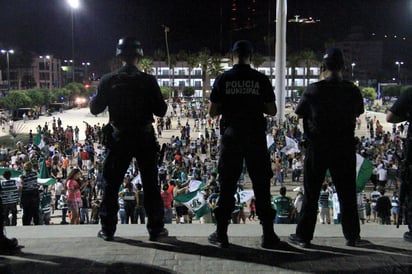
{"x": 352, "y": 65}
{"x": 399, "y": 63}
{"x": 85, "y": 64}
{"x": 74, "y": 4}
{"x": 47, "y": 57}
{"x": 7, "y": 52}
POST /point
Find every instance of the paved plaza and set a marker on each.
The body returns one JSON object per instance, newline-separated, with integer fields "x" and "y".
{"x": 76, "y": 249}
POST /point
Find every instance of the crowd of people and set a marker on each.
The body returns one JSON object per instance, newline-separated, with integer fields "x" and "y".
{"x": 187, "y": 154}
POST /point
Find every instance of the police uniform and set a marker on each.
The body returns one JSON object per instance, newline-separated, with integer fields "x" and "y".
{"x": 132, "y": 98}
{"x": 329, "y": 109}
{"x": 241, "y": 93}
{"x": 403, "y": 108}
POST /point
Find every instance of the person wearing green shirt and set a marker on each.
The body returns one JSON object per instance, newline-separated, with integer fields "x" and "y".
{"x": 284, "y": 207}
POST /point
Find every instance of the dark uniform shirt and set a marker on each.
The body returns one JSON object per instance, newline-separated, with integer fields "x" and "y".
{"x": 329, "y": 109}
{"x": 132, "y": 97}
{"x": 242, "y": 92}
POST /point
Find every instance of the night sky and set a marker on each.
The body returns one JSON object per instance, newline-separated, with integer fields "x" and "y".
{"x": 44, "y": 26}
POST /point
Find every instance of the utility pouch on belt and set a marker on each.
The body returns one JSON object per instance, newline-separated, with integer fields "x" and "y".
{"x": 110, "y": 135}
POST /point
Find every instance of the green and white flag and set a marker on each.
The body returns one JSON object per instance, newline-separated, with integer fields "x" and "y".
{"x": 195, "y": 200}
{"x": 270, "y": 142}
{"x": 364, "y": 169}
{"x": 38, "y": 139}
{"x": 244, "y": 196}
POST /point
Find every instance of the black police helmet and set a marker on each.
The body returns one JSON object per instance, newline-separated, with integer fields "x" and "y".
{"x": 333, "y": 59}
{"x": 129, "y": 46}
{"x": 242, "y": 47}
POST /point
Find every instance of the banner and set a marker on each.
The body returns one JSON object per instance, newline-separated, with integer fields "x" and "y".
{"x": 194, "y": 200}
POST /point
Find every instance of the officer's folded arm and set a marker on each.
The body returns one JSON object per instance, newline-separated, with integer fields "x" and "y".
{"x": 214, "y": 109}
{"x": 95, "y": 107}
{"x": 270, "y": 108}
{"x": 393, "y": 118}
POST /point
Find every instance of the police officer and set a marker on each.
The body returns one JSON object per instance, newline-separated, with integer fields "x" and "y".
{"x": 132, "y": 97}
{"x": 329, "y": 109}
{"x": 242, "y": 95}
{"x": 402, "y": 111}
{"x": 7, "y": 190}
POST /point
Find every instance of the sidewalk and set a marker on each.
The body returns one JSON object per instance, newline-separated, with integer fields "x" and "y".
{"x": 76, "y": 249}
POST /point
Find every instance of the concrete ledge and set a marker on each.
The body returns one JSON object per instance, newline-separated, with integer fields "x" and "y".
{"x": 195, "y": 230}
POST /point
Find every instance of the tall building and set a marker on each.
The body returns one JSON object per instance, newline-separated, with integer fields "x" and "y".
{"x": 243, "y": 14}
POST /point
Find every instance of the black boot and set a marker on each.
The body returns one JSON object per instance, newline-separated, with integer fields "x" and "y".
{"x": 269, "y": 238}
{"x": 8, "y": 245}
{"x": 219, "y": 237}
{"x": 108, "y": 228}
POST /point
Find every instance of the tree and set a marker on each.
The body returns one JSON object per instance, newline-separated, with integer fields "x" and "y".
{"x": 159, "y": 55}
{"x": 403, "y": 88}
{"x": 146, "y": 65}
{"x": 203, "y": 57}
{"x": 369, "y": 93}
{"x": 173, "y": 62}
{"x": 188, "y": 91}
{"x": 167, "y": 92}
{"x": 293, "y": 62}
{"x": 192, "y": 62}
{"x": 257, "y": 60}
{"x": 17, "y": 99}
{"x": 308, "y": 57}
{"x": 39, "y": 97}
{"x": 391, "y": 91}
{"x": 215, "y": 67}
{"x": 182, "y": 57}
{"x": 75, "y": 89}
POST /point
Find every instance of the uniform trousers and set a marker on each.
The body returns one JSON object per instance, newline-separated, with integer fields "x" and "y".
{"x": 341, "y": 162}
{"x": 247, "y": 144}
{"x": 141, "y": 145}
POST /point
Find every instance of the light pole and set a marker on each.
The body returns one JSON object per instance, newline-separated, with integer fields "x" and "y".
{"x": 68, "y": 62}
{"x": 46, "y": 57}
{"x": 167, "y": 29}
{"x": 7, "y": 52}
{"x": 280, "y": 61}
{"x": 74, "y": 4}
{"x": 85, "y": 64}
{"x": 399, "y": 63}
{"x": 352, "y": 65}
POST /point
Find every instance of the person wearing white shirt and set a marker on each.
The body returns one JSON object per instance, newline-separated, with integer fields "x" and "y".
{"x": 382, "y": 173}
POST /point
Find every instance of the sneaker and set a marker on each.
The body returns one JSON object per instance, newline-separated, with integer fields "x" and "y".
{"x": 271, "y": 242}
{"x": 155, "y": 236}
{"x": 221, "y": 241}
{"x": 296, "y": 240}
{"x": 357, "y": 242}
{"x": 7, "y": 244}
{"x": 105, "y": 236}
{"x": 407, "y": 236}
{"x": 64, "y": 223}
